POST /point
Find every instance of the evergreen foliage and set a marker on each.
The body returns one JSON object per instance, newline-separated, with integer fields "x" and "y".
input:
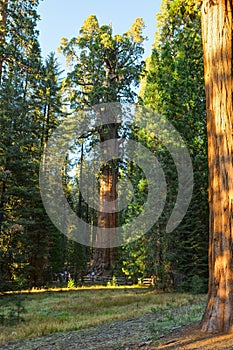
{"x": 30, "y": 103}
{"x": 173, "y": 87}
{"x": 103, "y": 68}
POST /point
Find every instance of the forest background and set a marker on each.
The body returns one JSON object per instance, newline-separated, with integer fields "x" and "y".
{"x": 35, "y": 97}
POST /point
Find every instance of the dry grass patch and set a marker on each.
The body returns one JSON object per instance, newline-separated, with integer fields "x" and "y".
{"x": 52, "y": 312}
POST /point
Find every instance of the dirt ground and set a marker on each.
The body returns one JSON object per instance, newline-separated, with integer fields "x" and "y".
{"x": 190, "y": 337}
{"x": 130, "y": 334}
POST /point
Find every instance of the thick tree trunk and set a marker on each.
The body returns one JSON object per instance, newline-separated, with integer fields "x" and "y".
{"x": 217, "y": 45}
{"x": 104, "y": 258}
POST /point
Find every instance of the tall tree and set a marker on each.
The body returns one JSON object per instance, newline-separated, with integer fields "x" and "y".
{"x": 173, "y": 87}
{"x": 20, "y": 59}
{"x": 30, "y": 104}
{"x": 103, "y": 69}
{"x": 218, "y": 59}
{"x": 45, "y": 112}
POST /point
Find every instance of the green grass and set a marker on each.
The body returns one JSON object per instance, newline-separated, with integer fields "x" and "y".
{"x": 52, "y": 312}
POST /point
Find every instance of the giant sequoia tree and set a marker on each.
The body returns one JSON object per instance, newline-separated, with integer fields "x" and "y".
{"x": 217, "y": 44}
{"x": 104, "y": 69}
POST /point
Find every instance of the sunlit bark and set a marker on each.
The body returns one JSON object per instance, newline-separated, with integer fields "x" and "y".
{"x": 217, "y": 45}
{"x": 104, "y": 258}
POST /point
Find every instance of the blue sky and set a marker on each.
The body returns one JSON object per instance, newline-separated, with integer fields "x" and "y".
{"x": 64, "y": 18}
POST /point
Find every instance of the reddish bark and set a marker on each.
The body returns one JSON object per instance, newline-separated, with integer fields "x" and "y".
{"x": 217, "y": 46}
{"x": 104, "y": 258}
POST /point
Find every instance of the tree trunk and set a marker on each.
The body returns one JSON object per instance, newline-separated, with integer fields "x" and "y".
{"x": 217, "y": 45}
{"x": 104, "y": 258}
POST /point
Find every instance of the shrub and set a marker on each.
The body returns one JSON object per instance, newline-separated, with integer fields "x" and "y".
{"x": 71, "y": 283}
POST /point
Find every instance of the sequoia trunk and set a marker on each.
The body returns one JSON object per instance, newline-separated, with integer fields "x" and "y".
{"x": 217, "y": 46}
{"x": 105, "y": 256}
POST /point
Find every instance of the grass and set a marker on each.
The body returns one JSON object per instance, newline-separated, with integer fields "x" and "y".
{"x": 60, "y": 311}
{"x": 172, "y": 316}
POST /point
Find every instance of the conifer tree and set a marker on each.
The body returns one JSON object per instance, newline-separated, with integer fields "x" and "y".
{"x": 27, "y": 89}
{"x": 173, "y": 87}
{"x": 104, "y": 68}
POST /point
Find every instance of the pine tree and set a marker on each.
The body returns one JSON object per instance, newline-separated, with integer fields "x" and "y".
{"x": 19, "y": 58}
{"x": 173, "y": 87}
{"x": 45, "y": 100}
{"x": 26, "y": 88}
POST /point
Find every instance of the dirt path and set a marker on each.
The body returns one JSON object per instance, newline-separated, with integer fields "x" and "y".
{"x": 125, "y": 334}
{"x": 130, "y": 334}
{"x": 191, "y": 338}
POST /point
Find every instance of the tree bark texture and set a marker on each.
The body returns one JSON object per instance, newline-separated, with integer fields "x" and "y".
{"x": 104, "y": 258}
{"x": 217, "y": 47}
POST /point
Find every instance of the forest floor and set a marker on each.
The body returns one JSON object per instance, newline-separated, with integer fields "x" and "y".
{"x": 130, "y": 334}
{"x": 190, "y": 337}
{"x": 147, "y": 321}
